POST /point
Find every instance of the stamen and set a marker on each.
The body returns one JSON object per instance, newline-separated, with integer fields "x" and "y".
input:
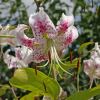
{"x": 44, "y": 64}
{"x": 45, "y": 35}
{"x": 36, "y": 44}
{"x": 56, "y": 57}
{"x": 78, "y": 64}
{"x": 49, "y": 55}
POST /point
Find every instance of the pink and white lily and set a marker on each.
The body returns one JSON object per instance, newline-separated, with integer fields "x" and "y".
{"x": 50, "y": 36}
{"x": 92, "y": 65}
{"x": 48, "y": 40}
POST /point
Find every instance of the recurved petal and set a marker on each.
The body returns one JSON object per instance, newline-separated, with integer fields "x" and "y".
{"x": 96, "y": 51}
{"x": 97, "y": 73}
{"x": 71, "y": 35}
{"x": 92, "y": 68}
{"x": 63, "y": 40}
{"x": 12, "y": 36}
{"x": 25, "y": 41}
{"x": 97, "y": 67}
{"x": 42, "y": 25}
{"x": 89, "y": 68}
{"x": 64, "y": 23}
{"x": 21, "y": 38}
{"x": 21, "y": 27}
{"x": 37, "y": 44}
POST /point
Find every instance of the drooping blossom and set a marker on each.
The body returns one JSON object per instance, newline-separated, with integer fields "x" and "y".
{"x": 92, "y": 65}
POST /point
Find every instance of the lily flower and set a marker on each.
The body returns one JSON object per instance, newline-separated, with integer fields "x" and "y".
{"x": 92, "y": 65}
{"x": 54, "y": 37}
{"x": 48, "y": 40}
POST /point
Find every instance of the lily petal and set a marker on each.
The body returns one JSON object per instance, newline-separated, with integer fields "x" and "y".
{"x": 40, "y": 51}
{"x": 6, "y": 36}
{"x": 20, "y": 59}
{"x": 42, "y": 25}
{"x": 22, "y": 38}
{"x": 63, "y": 40}
{"x": 64, "y": 23}
{"x": 92, "y": 68}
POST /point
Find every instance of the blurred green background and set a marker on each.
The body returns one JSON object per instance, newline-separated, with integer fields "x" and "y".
{"x": 87, "y": 21}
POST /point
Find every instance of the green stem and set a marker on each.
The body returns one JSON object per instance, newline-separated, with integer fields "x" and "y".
{"x": 14, "y": 93}
{"x": 78, "y": 82}
{"x": 91, "y": 83}
{"x": 7, "y": 36}
{"x": 95, "y": 82}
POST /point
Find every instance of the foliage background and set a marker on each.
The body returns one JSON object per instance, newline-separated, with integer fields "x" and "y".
{"x": 87, "y": 20}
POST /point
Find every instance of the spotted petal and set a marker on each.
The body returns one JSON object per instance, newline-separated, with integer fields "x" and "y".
{"x": 20, "y": 59}
{"x": 37, "y": 44}
{"x": 96, "y": 51}
{"x": 42, "y": 25}
{"x": 63, "y": 40}
{"x": 64, "y": 23}
{"x": 22, "y": 38}
{"x": 40, "y": 51}
{"x": 92, "y": 68}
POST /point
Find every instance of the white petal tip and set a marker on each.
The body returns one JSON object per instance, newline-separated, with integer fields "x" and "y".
{"x": 41, "y": 9}
{"x": 96, "y": 44}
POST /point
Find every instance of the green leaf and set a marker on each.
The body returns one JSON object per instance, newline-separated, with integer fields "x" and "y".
{"x": 29, "y": 96}
{"x": 83, "y": 46}
{"x": 85, "y": 95}
{"x": 3, "y": 89}
{"x": 35, "y": 81}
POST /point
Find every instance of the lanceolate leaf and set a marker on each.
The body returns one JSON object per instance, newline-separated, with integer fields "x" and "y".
{"x": 29, "y": 96}
{"x": 83, "y": 46}
{"x": 3, "y": 89}
{"x": 35, "y": 81}
{"x": 85, "y": 95}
